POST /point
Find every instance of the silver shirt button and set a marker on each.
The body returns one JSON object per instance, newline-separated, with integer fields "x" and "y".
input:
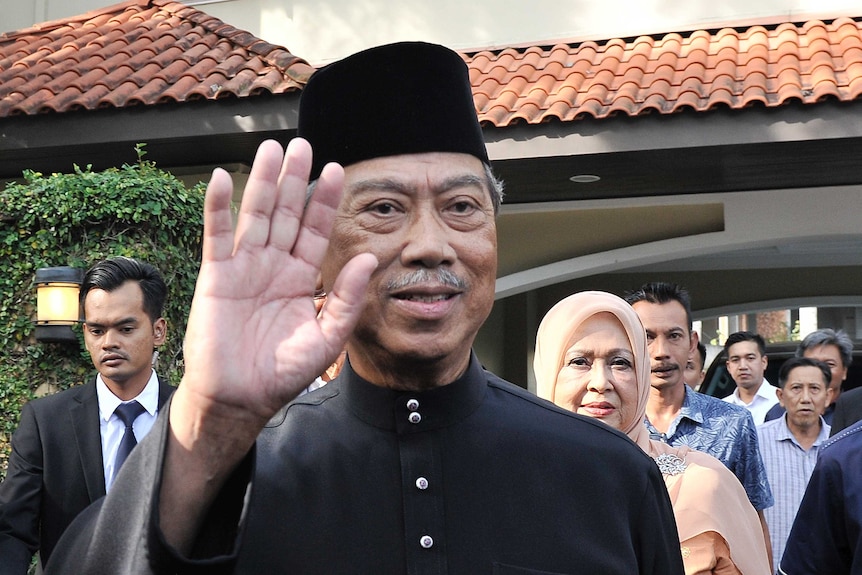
{"x": 412, "y": 404}
{"x": 426, "y": 542}
{"x": 422, "y": 483}
{"x": 414, "y": 417}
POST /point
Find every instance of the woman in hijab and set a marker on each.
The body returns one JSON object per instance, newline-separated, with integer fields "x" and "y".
{"x": 591, "y": 358}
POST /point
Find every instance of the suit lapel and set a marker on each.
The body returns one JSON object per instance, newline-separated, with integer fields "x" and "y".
{"x": 84, "y": 412}
{"x": 165, "y": 391}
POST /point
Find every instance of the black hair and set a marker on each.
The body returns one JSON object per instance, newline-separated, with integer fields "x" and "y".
{"x": 795, "y": 362}
{"x": 661, "y": 293}
{"x": 745, "y": 336}
{"x": 701, "y": 350}
{"x": 111, "y": 273}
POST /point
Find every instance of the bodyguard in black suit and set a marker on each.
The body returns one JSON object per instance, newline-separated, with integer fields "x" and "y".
{"x": 57, "y": 467}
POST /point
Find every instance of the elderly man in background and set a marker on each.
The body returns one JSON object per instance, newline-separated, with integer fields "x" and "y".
{"x": 835, "y": 349}
{"x": 790, "y": 445}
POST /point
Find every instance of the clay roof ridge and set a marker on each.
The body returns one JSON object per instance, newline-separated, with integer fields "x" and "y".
{"x": 138, "y": 52}
{"x": 64, "y": 22}
{"x": 278, "y": 56}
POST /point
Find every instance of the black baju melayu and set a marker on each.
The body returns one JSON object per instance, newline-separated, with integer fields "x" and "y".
{"x": 478, "y": 476}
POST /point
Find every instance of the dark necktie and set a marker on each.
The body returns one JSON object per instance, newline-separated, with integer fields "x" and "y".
{"x": 128, "y": 413}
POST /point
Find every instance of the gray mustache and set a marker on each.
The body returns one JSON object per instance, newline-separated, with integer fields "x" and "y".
{"x": 424, "y": 276}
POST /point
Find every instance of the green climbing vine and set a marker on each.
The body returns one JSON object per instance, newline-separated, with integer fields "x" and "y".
{"x": 76, "y": 219}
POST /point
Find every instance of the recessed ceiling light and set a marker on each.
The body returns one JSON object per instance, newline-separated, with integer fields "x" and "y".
{"x": 585, "y": 178}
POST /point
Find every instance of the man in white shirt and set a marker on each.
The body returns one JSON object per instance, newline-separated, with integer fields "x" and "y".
{"x": 746, "y": 362}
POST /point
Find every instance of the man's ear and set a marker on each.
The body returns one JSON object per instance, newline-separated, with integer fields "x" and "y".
{"x": 780, "y": 396}
{"x": 693, "y": 341}
{"x": 160, "y": 331}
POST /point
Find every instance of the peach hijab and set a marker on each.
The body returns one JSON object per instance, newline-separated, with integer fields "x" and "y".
{"x": 705, "y": 495}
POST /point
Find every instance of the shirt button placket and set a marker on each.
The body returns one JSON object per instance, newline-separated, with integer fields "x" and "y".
{"x": 423, "y": 510}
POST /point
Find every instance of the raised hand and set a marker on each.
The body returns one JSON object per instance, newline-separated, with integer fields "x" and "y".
{"x": 254, "y": 340}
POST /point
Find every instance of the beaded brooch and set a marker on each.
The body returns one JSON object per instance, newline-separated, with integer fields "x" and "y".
{"x": 670, "y": 464}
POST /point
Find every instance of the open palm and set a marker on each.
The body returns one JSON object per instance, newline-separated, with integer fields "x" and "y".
{"x": 254, "y": 340}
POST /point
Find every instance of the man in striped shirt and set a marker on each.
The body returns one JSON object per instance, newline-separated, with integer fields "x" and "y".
{"x": 790, "y": 445}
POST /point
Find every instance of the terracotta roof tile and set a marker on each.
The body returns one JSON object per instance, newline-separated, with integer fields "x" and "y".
{"x": 755, "y": 94}
{"x": 182, "y": 87}
{"x": 149, "y": 52}
{"x": 59, "y": 83}
{"x": 732, "y": 68}
{"x": 140, "y": 52}
{"x": 121, "y": 94}
{"x": 118, "y": 75}
{"x": 66, "y": 97}
{"x": 90, "y": 99}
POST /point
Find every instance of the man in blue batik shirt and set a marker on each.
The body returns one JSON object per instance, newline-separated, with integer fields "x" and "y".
{"x": 678, "y": 415}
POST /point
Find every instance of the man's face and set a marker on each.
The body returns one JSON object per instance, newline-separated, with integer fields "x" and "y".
{"x": 694, "y": 372}
{"x": 120, "y": 336}
{"x": 745, "y": 364}
{"x": 429, "y": 220}
{"x": 669, "y": 339}
{"x": 831, "y": 356}
{"x": 805, "y": 395}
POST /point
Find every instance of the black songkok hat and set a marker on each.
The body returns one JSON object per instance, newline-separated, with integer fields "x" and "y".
{"x": 403, "y": 98}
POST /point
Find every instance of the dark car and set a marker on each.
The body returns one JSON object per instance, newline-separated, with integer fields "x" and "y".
{"x": 718, "y": 382}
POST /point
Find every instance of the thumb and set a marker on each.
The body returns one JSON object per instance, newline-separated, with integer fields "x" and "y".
{"x": 344, "y": 304}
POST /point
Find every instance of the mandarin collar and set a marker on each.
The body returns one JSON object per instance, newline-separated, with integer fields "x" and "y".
{"x": 411, "y": 411}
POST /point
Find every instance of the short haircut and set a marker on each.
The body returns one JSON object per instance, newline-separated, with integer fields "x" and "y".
{"x": 828, "y": 336}
{"x": 745, "y": 336}
{"x": 701, "y": 350}
{"x": 794, "y": 362}
{"x": 109, "y": 274}
{"x": 661, "y": 293}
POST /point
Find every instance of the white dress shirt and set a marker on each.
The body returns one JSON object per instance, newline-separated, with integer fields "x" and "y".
{"x": 763, "y": 401}
{"x": 112, "y": 428}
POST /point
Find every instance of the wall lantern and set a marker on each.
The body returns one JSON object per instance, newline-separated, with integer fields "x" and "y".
{"x": 57, "y": 308}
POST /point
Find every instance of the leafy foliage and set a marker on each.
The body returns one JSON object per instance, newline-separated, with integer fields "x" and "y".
{"x": 75, "y": 220}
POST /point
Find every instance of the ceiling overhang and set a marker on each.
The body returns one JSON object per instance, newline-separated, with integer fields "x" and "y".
{"x": 690, "y": 152}
{"x": 199, "y": 134}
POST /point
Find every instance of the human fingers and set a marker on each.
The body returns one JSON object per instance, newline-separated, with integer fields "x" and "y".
{"x": 290, "y": 198}
{"x": 344, "y": 303}
{"x": 218, "y": 224}
{"x": 313, "y": 238}
{"x": 259, "y": 197}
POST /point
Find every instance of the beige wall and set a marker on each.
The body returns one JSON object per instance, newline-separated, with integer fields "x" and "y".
{"x": 325, "y": 30}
